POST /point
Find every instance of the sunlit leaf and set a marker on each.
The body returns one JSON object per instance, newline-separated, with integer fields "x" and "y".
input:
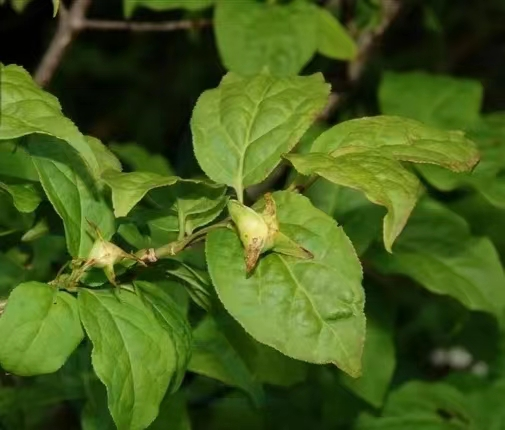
{"x": 132, "y": 355}
{"x": 402, "y": 139}
{"x": 383, "y": 180}
{"x": 333, "y": 40}
{"x": 39, "y": 329}
{"x": 310, "y": 310}
{"x": 73, "y": 193}
{"x": 173, "y": 320}
{"x": 241, "y": 129}
{"x": 27, "y": 109}
{"x": 252, "y": 36}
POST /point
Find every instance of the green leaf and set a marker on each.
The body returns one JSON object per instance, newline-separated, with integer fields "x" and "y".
{"x": 272, "y": 367}
{"x": 184, "y": 203}
{"x": 339, "y": 406}
{"x": 73, "y": 193}
{"x": 16, "y": 163}
{"x": 267, "y": 364}
{"x": 311, "y": 310}
{"x": 437, "y": 250}
{"x": 138, "y": 158}
{"x": 105, "y": 157}
{"x": 484, "y": 219}
{"x": 129, "y": 6}
{"x": 489, "y": 133}
{"x": 27, "y": 109}
{"x": 11, "y": 220}
{"x": 173, "y": 414}
{"x": 149, "y": 228}
{"x": 11, "y": 274}
{"x": 129, "y": 188}
{"x": 360, "y": 219}
{"x": 47, "y": 252}
{"x": 232, "y": 412}
{"x": 313, "y": 132}
{"x": 241, "y": 129}
{"x": 422, "y": 406}
{"x": 199, "y": 219}
{"x": 30, "y": 405}
{"x": 214, "y": 357}
{"x": 334, "y": 41}
{"x": 174, "y": 322}
{"x": 132, "y": 355}
{"x": 364, "y": 154}
{"x": 486, "y": 406}
{"x": 193, "y": 203}
{"x": 196, "y": 281}
{"x": 436, "y": 100}
{"x": 178, "y": 296}
{"x": 252, "y": 36}
{"x": 368, "y": 14}
{"x": 19, "y": 5}
{"x": 25, "y": 196}
{"x": 39, "y": 329}
{"x": 402, "y": 139}
{"x": 373, "y": 385}
{"x": 384, "y": 181}
{"x": 96, "y": 415}
{"x": 56, "y": 5}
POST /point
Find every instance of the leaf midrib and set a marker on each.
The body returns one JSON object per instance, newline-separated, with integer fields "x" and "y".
{"x": 111, "y": 316}
{"x": 316, "y": 312}
{"x": 247, "y": 138}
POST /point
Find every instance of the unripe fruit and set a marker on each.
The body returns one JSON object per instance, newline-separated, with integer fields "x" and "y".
{"x": 260, "y": 233}
{"x": 105, "y": 255}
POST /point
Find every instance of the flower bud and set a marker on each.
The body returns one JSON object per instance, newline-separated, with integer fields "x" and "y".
{"x": 260, "y": 233}
{"x": 253, "y": 231}
{"x": 105, "y": 254}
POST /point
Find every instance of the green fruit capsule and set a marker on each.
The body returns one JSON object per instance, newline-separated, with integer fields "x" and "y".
{"x": 260, "y": 233}
{"x": 252, "y": 229}
{"x": 105, "y": 255}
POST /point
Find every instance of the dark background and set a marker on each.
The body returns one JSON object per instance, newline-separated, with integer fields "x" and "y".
{"x": 124, "y": 86}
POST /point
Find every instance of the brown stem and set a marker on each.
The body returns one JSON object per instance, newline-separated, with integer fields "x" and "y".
{"x": 368, "y": 40}
{"x": 91, "y": 24}
{"x": 70, "y": 23}
{"x": 333, "y": 102}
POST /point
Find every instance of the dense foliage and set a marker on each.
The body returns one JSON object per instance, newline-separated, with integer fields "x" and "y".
{"x": 312, "y": 271}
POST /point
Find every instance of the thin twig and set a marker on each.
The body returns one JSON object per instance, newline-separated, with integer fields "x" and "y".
{"x": 92, "y": 24}
{"x": 153, "y": 255}
{"x": 369, "y": 40}
{"x": 367, "y": 43}
{"x": 70, "y": 23}
{"x": 333, "y": 102}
